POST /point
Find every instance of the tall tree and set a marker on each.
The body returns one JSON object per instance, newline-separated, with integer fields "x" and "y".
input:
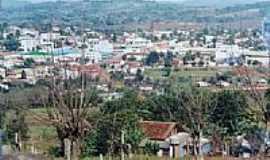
{"x": 229, "y": 112}
{"x": 196, "y": 104}
{"x": 68, "y": 109}
{"x": 152, "y": 58}
{"x": 11, "y": 43}
{"x": 120, "y": 116}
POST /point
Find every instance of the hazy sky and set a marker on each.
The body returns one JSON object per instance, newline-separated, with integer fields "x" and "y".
{"x": 242, "y": 1}
{"x": 36, "y": 1}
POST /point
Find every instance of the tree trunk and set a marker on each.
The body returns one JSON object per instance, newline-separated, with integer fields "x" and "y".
{"x": 195, "y": 147}
{"x": 67, "y": 143}
{"x": 72, "y": 149}
{"x": 76, "y": 150}
{"x": 122, "y": 145}
{"x": 200, "y": 146}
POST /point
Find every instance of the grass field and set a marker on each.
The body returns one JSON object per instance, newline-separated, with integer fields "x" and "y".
{"x": 42, "y": 136}
{"x": 195, "y": 74}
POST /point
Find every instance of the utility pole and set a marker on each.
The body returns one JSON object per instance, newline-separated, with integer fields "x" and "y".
{"x": 122, "y": 145}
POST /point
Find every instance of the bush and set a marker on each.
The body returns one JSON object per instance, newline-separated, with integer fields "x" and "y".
{"x": 55, "y": 151}
{"x": 151, "y": 148}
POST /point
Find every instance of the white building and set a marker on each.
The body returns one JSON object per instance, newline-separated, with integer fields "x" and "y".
{"x": 254, "y": 57}
{"x": 226, "y": 53}
{"x": 137, "y": 43}
{"x": 2, "y": 72}
{"x": 104, "y": 48}
{"x": 48, "y": 37}
{"x": 28, "y": 43}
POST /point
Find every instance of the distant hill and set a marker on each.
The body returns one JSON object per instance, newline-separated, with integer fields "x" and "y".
{"x": 13, "y": 3}
{"x": 207, "y": 3}
{"x": 219, "y": 3}
{"x": 125, "y": 13}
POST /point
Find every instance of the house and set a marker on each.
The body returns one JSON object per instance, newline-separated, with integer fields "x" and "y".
{"x": 223, "y": 84}
{"x": 202, "y": 84}
{"x": 262, "y": 82}
{"x": 177, "y": 63}
{"x": 133, "y": 67}
{"x": 160, "y": 34}
{"x": 171, "y": 139}
{"x": 227, "y": 54}
{"x": 104, "y": 47}
{"x": 157, "y": 133}
{"x": 28, "y": 43}
{"x": 115, "y": 64}
{"x": 137, "y": 43}
{"x": 256, "y": 58}
{"x": 2, "y": 73}
{"x": 162, "y": 46}
{"x": 138, "y": 56}
{"x": 4, "y": 87}
{"x": 146, "y": 88}
{"x": 91, "y": 70}
{"x": 48, "y": 37}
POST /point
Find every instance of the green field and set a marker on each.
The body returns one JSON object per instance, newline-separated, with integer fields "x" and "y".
{"x": 42, "y": 136}
{"x": 195, "y": 74}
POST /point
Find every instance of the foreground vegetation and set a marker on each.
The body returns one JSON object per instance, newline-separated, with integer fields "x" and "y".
{"x": 34, "y": 116}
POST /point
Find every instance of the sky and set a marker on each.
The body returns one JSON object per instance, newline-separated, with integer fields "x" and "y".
{"x": 37, "y": 1}
{"x": 216, "y": 1}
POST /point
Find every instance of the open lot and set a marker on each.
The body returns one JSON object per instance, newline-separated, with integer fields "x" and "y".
{"x": 195, "y": 74}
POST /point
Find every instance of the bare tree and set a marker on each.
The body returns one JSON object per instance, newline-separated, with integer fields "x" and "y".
{"x": 257, "y": 96}
{"x": 194, "y": 104}
{"x": 255, "y": 91}
{"x": 68, "y": 110}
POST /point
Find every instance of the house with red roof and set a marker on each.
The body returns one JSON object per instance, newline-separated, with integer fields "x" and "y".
{"x": 115, "y": 64}
{"x": 158, "y": 133}
{"x": 171, "y": 139}
{"x": 92, "y": 70}
{"x": 133, "y": 67}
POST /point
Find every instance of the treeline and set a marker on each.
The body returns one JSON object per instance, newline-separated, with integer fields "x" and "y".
{"x": 115, "y": 14}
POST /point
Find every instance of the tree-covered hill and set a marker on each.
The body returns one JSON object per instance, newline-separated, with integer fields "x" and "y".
{"x": 119, "y": 13}
{"x": 219, "y": 3}
{"x": 14, "y": 3}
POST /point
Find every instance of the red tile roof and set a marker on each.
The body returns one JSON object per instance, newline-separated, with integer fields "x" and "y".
{"x": 134, "y": 64}
{"x": 113, "y": 61}
{"x": 245, "y": 71}
{"x": 7, "y": 53}
{"x": 90, "y": 68}
{"x": 157, "y": 130}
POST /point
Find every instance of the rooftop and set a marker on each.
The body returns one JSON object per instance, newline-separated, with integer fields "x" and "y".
{"x": 157, "y": 130}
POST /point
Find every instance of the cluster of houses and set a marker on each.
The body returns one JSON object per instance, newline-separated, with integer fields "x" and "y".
{"x": 126, "y": 53}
